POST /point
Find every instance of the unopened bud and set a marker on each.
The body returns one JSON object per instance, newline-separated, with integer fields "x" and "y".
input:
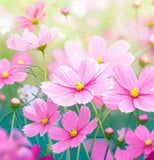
{"x": 120, "y": 140}
{"x": 15, "y": 103}
{"x": 136, "y": 4}
{"x": 143, "y": 118}
{"x": 65, "y": 11}
{"x": 109, "y": 133}
{"x": 2, "y": 97}
{"x": 151, "y": 40}
{"x": 145, "y": 60}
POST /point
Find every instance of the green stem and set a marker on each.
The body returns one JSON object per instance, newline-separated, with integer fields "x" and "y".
{"x": 106, "y": 152}
{"x": 78, "y": 152}
{"x": 13, "y": 117}
{"x": 10, "y": 91}
{"x": 106, "y": 116}
{"x": 86, "y": 151}
{"x": 77, "y": 108}
{"x": 50, "y": 143}
{"x": 137, "y": 117}
{"x": 68, "y": 154}
{"x": 61, "y": 156}
{"x": 128, "y": 122}
{"x": 100, "y": 124}
{"x": 44, "y": 66}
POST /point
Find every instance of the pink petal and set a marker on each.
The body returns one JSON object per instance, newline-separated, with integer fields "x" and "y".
{"x": 4, "y": 65}
{"x": 145, "y": 102}
{"x": 40, "y": 108}
{"x": 77, "y": 140}
{"x": 51, "y": 107}
{"x": 71, "y": 48}
{"x": 125, "y": 76}
{"x": 58, "y": 134}
{"x": 59, "y": 94}
{"x": 87, "y": 70}
{"x": 142, "y": 133}
{"x": 146, "y": 79}
{"x": 29, "y": 12}
{"x": 36, "y": 151}
{"x": 70, "y": 120}
{"x": 19, "y": 76}
{"x": 53, "y": 119}
{"x": 39, "y": 6}
{"x": 42, "y": 17}
{"x": 84, "y": 96}
{"x": 97, "y": 47}
{"x": 65, "y": 76}
{"x": 32, "y": 129}
{"x": 61, "y": 146}
{"x": 118, "y": 48}
{"x": 127, "y": 105}
{"x": 90, "y": 127}
{"x": 22, "y": 20}
{"x": 84, "y": 117}
{"x": 135, "y": 152}
{"x": 30, "y": 113}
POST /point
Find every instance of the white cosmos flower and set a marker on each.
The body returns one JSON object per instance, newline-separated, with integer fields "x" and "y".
{"x": 5, "y": 26}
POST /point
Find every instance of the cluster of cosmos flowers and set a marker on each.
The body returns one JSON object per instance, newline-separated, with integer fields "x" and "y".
{"x": 92, "y": 80}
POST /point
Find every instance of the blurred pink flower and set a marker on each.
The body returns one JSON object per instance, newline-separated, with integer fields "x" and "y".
{"x": 69, "y": 88}
{"x": 122, "y": 154}
{"x": 30, "y": 41}
{"x": 21, "y": 58}
{"x": 33, "y": 17}
{"x": 128, "y": 92}
{"x": 140, "y": 142}
{"x": 8, "y": 147}
{"x": 97, "y": 49}
{"x": 75, "y": 130}
{"x": 10, "y": 74}
{"x": 44, "y": 114}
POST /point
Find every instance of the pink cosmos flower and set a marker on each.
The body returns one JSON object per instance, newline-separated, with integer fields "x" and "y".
{"x": 97, "y": 49}
{"x": 21, "y": 58}
{"x": 33, "y": 17}
{"x": 10, "y": 74}
{"x": 44, "y": 114}
{"x": 140, "y": 142}
{"x": 69, "y": 88}
{"x": 128, "y": 92}
{"x": 30, "y": 41}
{"x": 75, "y": 129}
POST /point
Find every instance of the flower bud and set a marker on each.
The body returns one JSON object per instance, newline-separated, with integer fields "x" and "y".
{"x": 65, "y": 11}
{"x": 136, "y": 4}
{"x": 153, "y": 2}
{"x": 145, "y": 60}
{"x": 15, "y": 103}
{"x": 109, "y": 133}
{"x": 143, "y": 118}
{"x": 151, "y": 40}
{"x": 2, "y": 97}
{"x": 120, "y": 140}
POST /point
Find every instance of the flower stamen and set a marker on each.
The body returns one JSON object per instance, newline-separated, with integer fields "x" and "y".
{"x": 99, "y": 60}
{"x": 73, "y": 132}
{"x": 148, "y": 142}
{"x": 79, "y": 86}
{"x": 20, "y": 61}
{"x": 45, "y": 120}
{"x": 35, "y": 21}
{"x": 134, "y": 92}
{"x": 5, "y": 74}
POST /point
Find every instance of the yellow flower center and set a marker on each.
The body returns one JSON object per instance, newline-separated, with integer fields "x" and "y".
{"x": 151, "y": 24}
{"x": 20, "y": 61}
{"x": 79, "y": 86}
{"x": 134, "y": 92}
{"x": 5, "y": 74}
{"x": 45, "y": 120}
{"x": 73, "y": 132}
{"x": 99, "y": 60}
{"x": 148, "y": 142}
{"x": 35, "y": 21}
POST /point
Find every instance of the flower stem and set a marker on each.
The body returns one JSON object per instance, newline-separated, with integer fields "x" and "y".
{"x": 13, "y": 117}
{"x": 100, "y": 124}
{"x": 106, "y": 152}
{"x": 106, "y": 116}
{"x": 128, "y": 122}
{"x": 68, "y": 154}
{"x": 44, "y": 66}
{"x": 10, "y": 91}
{"x": 78, "y": 152}
{"x": 86, "y": 151}
{"x": 137, "y": 117}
